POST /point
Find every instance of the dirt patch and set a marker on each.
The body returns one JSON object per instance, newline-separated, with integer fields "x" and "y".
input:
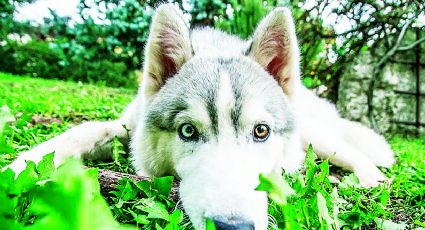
{"x": 70, "y": 118}
{"x": 45, "y": 120}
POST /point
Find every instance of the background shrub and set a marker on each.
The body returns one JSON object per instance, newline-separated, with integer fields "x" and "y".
{"x": 33, "y": 58}
{"x": 38, "y": 59}
{"x": 120, "y": 36}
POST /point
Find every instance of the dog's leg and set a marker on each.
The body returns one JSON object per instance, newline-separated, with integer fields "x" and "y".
{"x": 88, "y": 140}
{"x": 373, "y": 145}
{"x": 327, "y": 142}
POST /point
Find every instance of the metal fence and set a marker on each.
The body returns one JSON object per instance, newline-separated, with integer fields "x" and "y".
{"x": 417, "y": 66}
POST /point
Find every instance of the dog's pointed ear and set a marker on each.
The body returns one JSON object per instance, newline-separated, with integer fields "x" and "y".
{"x": 275, "y": 47}
{"x": 167, "y": 49}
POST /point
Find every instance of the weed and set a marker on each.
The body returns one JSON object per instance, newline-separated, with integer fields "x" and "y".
{"x": 299, "y": 201}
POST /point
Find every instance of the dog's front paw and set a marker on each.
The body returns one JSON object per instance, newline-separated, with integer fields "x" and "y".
{"x": 369, "y": 176}
{"x": 35, "y": 155}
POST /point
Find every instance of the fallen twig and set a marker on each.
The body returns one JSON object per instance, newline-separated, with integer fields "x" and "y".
{"x": 108, "y": 179}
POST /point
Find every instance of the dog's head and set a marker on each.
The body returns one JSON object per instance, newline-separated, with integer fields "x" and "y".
{"x": 217, "y": 114}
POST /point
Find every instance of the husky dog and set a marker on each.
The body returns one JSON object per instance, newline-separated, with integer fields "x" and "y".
{"x": 216, "y": 111}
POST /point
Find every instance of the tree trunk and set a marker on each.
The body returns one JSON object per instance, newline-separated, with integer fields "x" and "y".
{"x": 108, "y": 179}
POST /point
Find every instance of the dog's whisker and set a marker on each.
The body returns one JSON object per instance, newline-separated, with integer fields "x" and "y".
{"x": 186, "y": 220}
{"x": 272, "y": 223}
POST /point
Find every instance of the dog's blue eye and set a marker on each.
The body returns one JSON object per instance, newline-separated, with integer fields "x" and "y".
{"x": 261, "y": 132}
{"x": 187, "y": 131}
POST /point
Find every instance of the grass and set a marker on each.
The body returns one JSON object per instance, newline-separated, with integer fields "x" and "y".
{"x": 318, "y": 204}
{"x": 52, "y": 98}
{"x": 408, "y": 181}
{"x": 68, "y": 103}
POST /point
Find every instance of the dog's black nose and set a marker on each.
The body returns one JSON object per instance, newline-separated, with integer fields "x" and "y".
{"x": 232, "y": 224}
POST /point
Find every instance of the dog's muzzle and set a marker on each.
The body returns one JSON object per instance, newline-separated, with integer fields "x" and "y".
{"x": 223, "y": 223}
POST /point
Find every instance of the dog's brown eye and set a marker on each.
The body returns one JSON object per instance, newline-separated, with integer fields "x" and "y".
{"x": 187, "y": 131}
{"x": 261, "y": 132}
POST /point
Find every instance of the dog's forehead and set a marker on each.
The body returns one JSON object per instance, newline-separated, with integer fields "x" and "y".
{"x": 242, "y": 77}
{"x": 211, "y": 90}
{"x": 211, "y": 42}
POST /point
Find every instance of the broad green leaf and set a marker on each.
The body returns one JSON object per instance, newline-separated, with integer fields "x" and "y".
{"x": 9, "y": 224}
{"x": 8, "y": 200}
{"x": 163, "y": 185}
{"x": 155, "y": 209}
{"x": 310, "y": 164}
{"x": 92, "y": 177}
{"x": 304, "y": 217}
{"x": 384, "y": 196}
{"x": 7, "y": 178}
{"x": 324, "y": 175}
{"x": 390, "y": 225}
{"x": 158, "y": 227}
{"x": 422, "y": 224}
{"x": 299, "y": 183}
{"x": 71, "y": 202}
{"x": 145, "y": 186}
{"x": 175, "y": 218}
{"x": 350, "y": 181}
{"x": 276, "y": 187}
{"x": 336, "y": 200}
{"x": 210, "y": 225}
{"x": 126, "y": 190}
{"x": 26, "y": 179}
{"x": 324, "y": 217}
{"x": 46, "y": 167}
{"x": 141, "y": 219}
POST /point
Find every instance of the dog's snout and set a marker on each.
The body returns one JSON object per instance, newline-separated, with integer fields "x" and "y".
{"x": 232, "y": 224}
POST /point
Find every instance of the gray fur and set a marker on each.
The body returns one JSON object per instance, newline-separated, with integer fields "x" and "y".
{"x": 224, "y": 87}
{"x": 202, "y": 84}
{"x": 207, "y": 41}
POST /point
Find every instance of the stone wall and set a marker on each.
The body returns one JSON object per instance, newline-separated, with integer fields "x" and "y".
{"x": 354, "y": 86}
{"x": 352, "y": 91}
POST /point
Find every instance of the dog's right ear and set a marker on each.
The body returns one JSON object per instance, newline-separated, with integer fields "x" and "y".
{"x": 275, "y": 48}
{"x": 168, "y": 48}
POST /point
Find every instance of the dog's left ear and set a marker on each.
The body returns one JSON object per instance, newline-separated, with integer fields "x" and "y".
{"x": 275, "y": 48}
{"x": 167, "y": 49}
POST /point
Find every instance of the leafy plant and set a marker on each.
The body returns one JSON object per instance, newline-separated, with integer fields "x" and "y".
{"x": 59, "y": 104}
{"x": 316, "y": 201}
{"x": 146, "y": 203}
{"x": 311, "y": 202}
{"x": 41, "y": 199}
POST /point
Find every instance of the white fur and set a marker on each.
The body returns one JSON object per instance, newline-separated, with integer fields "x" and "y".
{"x": 218, "y": 177}
{"x": 90, "y": 140}
{"x": 225, "y": 102}
{"x": 356, "y": 148}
